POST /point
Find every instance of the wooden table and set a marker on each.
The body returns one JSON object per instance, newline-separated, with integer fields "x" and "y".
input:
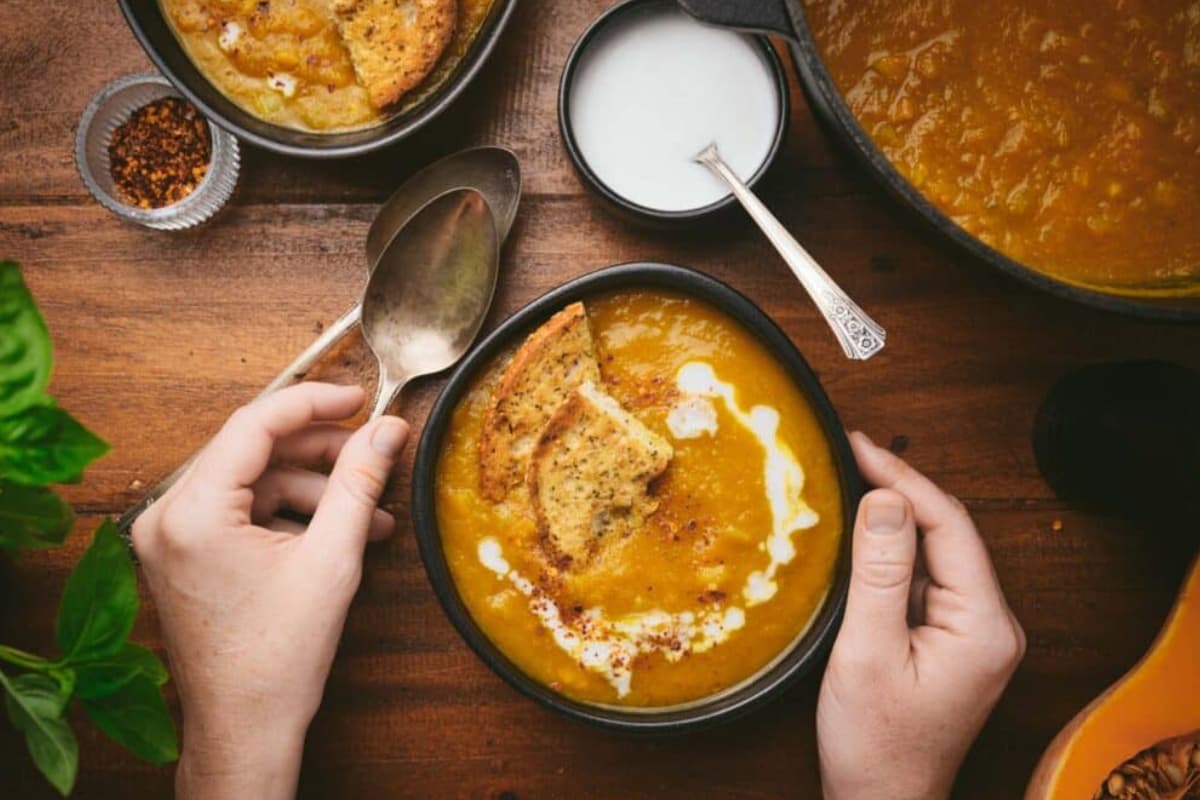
{"x": 159, "y": 336}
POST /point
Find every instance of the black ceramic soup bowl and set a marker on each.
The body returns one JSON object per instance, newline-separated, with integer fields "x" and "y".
{"x": 153, "y": 32}
{"x": 805, "y": 653}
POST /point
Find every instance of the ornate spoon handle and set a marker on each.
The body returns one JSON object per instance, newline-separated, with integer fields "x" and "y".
{"x": 860, "y": 336}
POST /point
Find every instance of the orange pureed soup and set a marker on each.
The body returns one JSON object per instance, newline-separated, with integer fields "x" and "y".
{"x": 1064, "y": 133}
{"x": 727, "y": 572}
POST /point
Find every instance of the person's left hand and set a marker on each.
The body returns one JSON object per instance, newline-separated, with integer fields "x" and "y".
{"x": 927, "y": 645}
{"x": 252, "y": 603}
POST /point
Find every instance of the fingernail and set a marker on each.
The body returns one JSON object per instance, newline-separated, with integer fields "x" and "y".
{"x": 389, "y": 436}
{"x": 885, "y": 515}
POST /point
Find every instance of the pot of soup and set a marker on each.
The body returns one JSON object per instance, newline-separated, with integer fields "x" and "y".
{"x": 1058, "y": 141}
{"x": 634, "y": 502}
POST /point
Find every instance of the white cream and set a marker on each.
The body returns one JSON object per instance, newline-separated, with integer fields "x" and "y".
{"x": 492, "y": 557}
{"x": 230, "y": 33}
{"x": 783, "y": 477}
{"x": 654, "y": 88}
{"x": 283, "y": 83}
{"x": 692, "y": 417}
{"x": 758, "y": 588}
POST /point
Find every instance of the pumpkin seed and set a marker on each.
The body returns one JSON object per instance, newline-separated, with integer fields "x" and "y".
{"x": 1168, "y": 770}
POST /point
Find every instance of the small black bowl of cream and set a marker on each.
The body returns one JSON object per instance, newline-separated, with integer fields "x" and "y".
{"x": 647, "y": 87}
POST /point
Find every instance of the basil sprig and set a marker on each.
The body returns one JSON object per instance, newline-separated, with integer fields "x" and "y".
{"x": 116, "y": 682}
{"x": 40, "y": 443}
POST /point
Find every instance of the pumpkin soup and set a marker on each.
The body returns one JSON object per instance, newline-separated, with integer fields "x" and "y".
{"x": 638, "y": 506}
{"x": 1064, "y": 133}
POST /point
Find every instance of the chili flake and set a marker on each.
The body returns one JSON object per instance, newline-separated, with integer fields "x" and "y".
{"x": 160, "y": 154}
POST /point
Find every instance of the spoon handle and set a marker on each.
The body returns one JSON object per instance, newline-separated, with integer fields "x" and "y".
{"x": 860, "y": 336}
{"x": 386, "y": 392}
{"x": 312, "y": 354}
{"x": 293, "y": 372}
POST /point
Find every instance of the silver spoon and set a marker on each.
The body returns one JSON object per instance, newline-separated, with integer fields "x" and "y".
{"x": 425, "y": 302}
{"x": 493, "y": 171}
{"x": 860, "y": 336}
{"x": 429, "y": 294}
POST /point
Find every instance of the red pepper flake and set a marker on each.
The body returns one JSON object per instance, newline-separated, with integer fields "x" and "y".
{"x": 160, "y": 154}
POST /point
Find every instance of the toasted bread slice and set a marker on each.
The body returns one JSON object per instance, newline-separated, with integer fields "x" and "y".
{"x": 552, "y": 363}
{"x": 394, "y": 44}
{"x": 589, "y": 474}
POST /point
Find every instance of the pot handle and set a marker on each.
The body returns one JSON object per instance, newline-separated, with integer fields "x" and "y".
{"x": 756, "y": 16}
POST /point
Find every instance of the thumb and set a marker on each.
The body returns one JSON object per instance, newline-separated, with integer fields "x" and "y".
{"x": 343, "y": 517}
{"x": 884, "y": 552}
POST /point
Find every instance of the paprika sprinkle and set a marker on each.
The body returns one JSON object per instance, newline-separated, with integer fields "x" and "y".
{"x": 160, "y": 154}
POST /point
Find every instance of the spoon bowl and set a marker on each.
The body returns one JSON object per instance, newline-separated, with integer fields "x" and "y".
{"x": 493, "y": 171}
{"x": 431, "y": 290}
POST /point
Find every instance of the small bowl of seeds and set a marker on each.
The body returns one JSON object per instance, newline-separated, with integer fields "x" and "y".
{"x": 149, "y": 156}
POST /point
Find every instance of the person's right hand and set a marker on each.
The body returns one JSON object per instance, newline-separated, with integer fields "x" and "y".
{"x": 926, "y": 647}
{"x": 252, "y": 602}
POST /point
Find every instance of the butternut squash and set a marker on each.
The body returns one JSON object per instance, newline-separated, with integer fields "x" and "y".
{"x": 1155, "y": 701}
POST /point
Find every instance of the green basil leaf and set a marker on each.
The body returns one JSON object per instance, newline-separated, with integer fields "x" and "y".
{"x": 34, "y": 695}
{"x": 100, "y": 601}
{"x": 55, "y": 751}
{"x": 25, "y": 350}
{"x": 136, "y": 717}
{"x": 44, "y": 444}
{"x": 32, "y": 517}
{"x": 101, "y": 677}
{"x": 35, "y": 705}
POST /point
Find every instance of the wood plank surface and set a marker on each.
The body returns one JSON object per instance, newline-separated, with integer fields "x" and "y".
{"x": 159, "y": 336}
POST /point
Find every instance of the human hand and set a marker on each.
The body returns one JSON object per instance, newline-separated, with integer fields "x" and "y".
{"x": 252, "y": 603}
{"x": 926, "y": 647}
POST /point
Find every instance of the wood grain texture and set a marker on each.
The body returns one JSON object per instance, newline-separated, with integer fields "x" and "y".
{"x": 159, "y": 336}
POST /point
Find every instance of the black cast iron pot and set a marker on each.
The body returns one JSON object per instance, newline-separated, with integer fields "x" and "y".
{"x": 802, "y": 656}
{"x": 786, "y": 18}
